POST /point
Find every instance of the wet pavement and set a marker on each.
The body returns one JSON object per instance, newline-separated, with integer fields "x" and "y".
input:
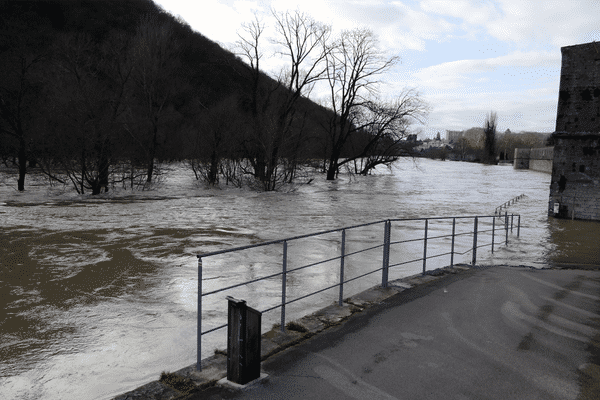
{"x": 493, "y": 333}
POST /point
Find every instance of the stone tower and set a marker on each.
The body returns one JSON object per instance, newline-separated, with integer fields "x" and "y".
{"x": 575, "y": 185}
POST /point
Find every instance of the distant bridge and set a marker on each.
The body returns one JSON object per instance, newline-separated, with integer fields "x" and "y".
{"x": 536, "y": 159}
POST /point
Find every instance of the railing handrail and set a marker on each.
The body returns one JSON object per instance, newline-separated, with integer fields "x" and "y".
{"x": 289, "y": 239}
{"x": 508, "y": 203}
{"x": 387, "y": 243}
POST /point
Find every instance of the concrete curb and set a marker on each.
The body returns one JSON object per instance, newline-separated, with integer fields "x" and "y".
{"x": 214, "y": 368}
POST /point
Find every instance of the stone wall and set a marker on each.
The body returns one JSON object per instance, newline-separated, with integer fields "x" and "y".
{"x": 535, "y": 159}
{"x": 575, "y": 185}
{"x": 540, "y": 159}
{"x": 521, "y": 160}
{"x": 579, "y": 96}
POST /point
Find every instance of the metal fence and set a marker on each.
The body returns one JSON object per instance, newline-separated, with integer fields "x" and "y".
{"x": 481, "y": 225}
{"x": 498, "y": 210}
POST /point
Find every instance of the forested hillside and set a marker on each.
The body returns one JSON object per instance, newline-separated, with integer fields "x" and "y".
{"x": 99, "y": 93}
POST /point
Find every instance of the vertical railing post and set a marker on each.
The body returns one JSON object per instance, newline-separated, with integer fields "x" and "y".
{"x": 519, "y": 226}
{"x": 506, "y": 227}
{"x": 512, "y": 216}
{"x": 283, "y": 285}
{"x": 452, "y": 250}
{"x": 493, "y": 232}
{"x": 199, "y": 323}
{"x": 425, "y": 247}
{"x": 474, "y": 260}
{"x": 342, "y": 267}
{"x": 386, "y": 253}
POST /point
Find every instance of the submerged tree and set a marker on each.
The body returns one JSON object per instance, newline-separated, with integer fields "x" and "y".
{"x": 18, "y": 111}
{"x": 354, "y": 66}
{"x": 386, "y": 126}
{"x": 155, "y": 54}
{"x": 274, "y": 104}
{"x": 24, "y": 40}
{"x": 214, "y": 140}
{"x": 86, "y": 99}
{"x": 489, "y": 131}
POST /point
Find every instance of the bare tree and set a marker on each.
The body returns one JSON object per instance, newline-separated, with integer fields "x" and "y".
{"x": 489, "y": 131}
{"x": 155, "y": 54}
{"x": 80, "y": 116}
{"x": 249, "y": 46}
{"x": 354, "y": 65}
{"x": 301, "y": 42}
{"x": 86, "y": 99}
{"x": 214, "y": 130}
{"x": 17, "y": 105}
{"x": 384, "y": 127}
{"x": 461, "y": 147}
{"x": 24, "y": 57}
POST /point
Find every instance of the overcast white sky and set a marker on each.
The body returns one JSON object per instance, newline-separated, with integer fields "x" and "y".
{"x": 466, "y": 57}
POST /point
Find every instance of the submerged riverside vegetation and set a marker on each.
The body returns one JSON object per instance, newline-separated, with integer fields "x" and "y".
{"x": 95, "y": 94}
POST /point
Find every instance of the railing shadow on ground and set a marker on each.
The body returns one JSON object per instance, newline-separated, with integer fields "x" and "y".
{"x": 468, "y": 231}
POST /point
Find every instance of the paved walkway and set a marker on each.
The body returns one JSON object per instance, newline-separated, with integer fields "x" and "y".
{"x": 495, "y": 333}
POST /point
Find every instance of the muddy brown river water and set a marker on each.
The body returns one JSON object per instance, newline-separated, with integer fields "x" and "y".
{"x": 98, "y": 294}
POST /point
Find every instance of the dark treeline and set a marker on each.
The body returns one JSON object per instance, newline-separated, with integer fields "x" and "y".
{"x": 98, "y": 93}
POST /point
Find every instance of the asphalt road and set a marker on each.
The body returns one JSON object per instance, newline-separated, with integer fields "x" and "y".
{"x": 495, "y": 333}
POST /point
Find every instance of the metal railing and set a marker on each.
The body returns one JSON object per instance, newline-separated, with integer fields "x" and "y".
{"x": 387, "y": 245}
{"x": 498, "y": 210}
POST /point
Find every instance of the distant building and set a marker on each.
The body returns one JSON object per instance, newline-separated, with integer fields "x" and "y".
{"x": 575, "y": 184}
{"x": 429, "y": 144}
{"x": 453, "y": 136}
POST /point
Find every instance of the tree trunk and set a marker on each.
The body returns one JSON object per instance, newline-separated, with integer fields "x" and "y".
{"x": 260, "y": 169}
{"x": 22, "y": 164}
{"x": 83, "y": 171}
{"x": 332, "y": 170}
{"x": 96, "y": 187}
{"x": 103, "y": 169}
{"x": 150, "y": 170}
{"x": 214, "y": 164}
{"x": 334, "y": 165}
{"x": 152, "y": 154}
{"x": 271, "y": 169}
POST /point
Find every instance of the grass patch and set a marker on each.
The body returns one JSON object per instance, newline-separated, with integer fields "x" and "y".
{"x": 291, "y": 326}
{"x": 220, "y": 352}
{"x": 179, "y": 383}
{"x": 294, "y": 326}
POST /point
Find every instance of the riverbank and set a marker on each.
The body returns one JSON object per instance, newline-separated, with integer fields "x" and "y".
{"x": 493, "y": 316}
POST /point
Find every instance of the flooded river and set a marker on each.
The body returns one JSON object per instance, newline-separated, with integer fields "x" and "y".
{"x": 98, "y": 294}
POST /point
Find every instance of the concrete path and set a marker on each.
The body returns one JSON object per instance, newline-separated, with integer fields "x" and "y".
{"x": 495, "y": 333}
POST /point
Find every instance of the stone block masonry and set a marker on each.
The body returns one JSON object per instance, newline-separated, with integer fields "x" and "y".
{"x": 535, "y": 159}
{"x": 579, "y": 96}
{"x": 575, "y": 184}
